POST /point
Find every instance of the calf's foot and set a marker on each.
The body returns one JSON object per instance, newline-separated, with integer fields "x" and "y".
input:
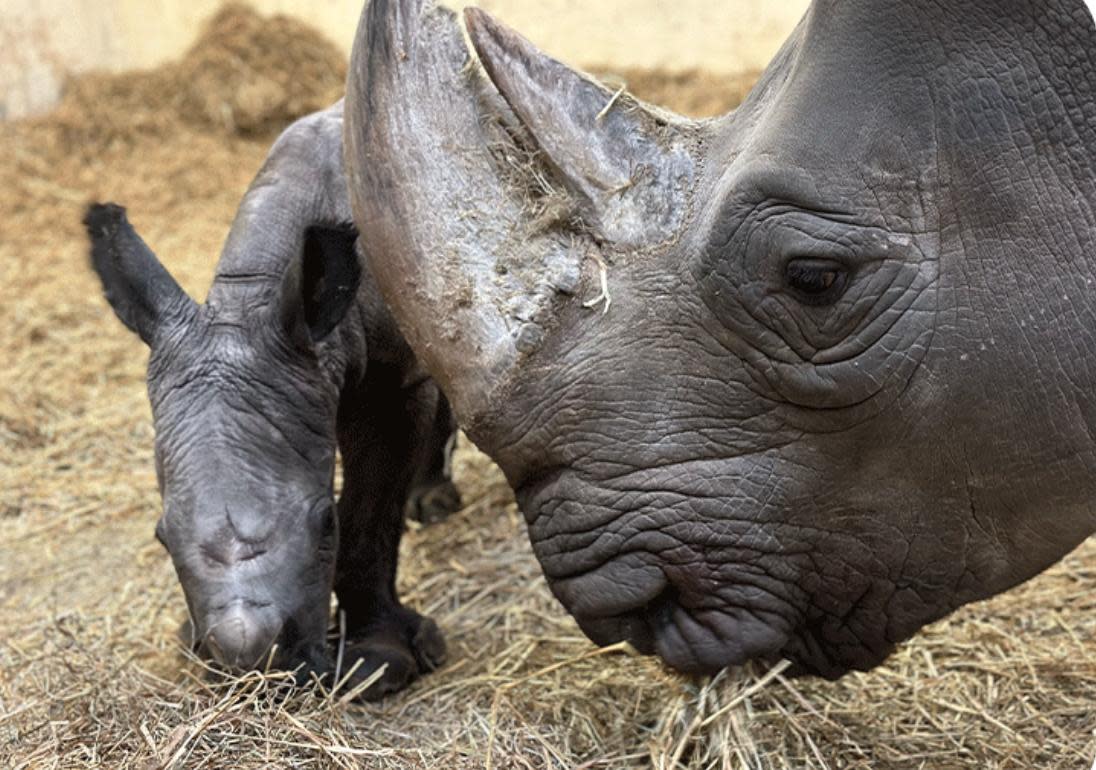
{"x": 406, "y": 643}
{"x": 431, "y": 503}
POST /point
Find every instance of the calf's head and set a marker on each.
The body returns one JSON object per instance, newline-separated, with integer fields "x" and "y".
{"x": 791, "y": 382}
{"x": 244, "y": 416}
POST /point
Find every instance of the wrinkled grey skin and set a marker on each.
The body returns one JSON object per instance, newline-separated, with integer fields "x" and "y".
{"x": 292, "y": 354}
{"x": 847, "y": 379}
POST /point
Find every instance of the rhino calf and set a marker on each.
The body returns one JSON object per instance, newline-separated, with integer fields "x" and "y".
{"x": 292, "y": 355}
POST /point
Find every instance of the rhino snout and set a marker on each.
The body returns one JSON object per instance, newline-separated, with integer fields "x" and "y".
{"x": 242, "y": 637}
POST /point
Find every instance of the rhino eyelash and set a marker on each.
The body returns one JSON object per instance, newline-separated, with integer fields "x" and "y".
{"x": 816, "y": 282}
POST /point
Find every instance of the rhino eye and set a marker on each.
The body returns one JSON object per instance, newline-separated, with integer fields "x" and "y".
{"x": 816, "y": 281}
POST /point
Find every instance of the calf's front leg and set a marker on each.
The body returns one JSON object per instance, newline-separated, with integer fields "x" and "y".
{"x": 384, "y": 436}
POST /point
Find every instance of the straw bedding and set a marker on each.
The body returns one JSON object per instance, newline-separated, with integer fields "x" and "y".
{"x": 91, "y": 673}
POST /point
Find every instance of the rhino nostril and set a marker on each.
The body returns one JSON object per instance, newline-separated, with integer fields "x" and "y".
{"x": 225, "y": 554}
{"x": 238, "y": 605}
{"x": 255, "y": 554}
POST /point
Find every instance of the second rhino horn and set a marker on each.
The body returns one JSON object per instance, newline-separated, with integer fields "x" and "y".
{"x": 628, "y": 168}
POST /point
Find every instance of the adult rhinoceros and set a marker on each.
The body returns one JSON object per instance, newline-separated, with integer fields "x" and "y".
{"x": 790, "y": 382}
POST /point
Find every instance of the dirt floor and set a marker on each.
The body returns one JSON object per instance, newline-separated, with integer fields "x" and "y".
{"x": 90, "y": 670}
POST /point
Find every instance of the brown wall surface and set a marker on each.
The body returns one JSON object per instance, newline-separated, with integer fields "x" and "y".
{"x": 40, "y": 40}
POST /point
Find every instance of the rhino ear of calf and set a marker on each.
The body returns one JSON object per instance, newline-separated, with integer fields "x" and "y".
{"x": 322, "y": 285}
{"x": 142, "y": 292}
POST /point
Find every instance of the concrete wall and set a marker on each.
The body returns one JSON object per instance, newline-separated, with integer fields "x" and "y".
{"x": 42, "y": 39}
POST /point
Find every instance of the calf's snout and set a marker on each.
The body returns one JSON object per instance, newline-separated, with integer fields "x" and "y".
{"x": 242, "y": 637}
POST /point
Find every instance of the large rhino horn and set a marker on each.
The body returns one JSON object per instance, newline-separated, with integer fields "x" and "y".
{"x": 456, "y": 190}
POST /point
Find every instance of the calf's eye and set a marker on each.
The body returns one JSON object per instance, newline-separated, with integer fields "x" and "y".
{"x": 816, "y": 281}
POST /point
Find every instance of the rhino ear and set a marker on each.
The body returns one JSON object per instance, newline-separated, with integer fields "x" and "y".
{"x": 320, "y": 287}
{"x": 143, "y": 294}
{"x": 627, "y": 166}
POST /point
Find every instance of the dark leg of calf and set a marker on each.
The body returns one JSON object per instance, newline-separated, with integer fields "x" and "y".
{"x": 383, "y": 436}
{"x": 433, "y": 495}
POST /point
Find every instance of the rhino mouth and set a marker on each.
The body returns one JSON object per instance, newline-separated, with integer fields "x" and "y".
{"x": 691, "y": 641}
{"x": 706, "y": 641}
{"x": 702, "y": 592}
{"x": 241, "y": 635}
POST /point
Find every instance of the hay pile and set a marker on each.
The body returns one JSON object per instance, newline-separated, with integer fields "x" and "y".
{"x": 245, "y": 75}
{"x": 90, "y": 670}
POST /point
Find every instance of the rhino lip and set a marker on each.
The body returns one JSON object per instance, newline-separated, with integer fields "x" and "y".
{"x": 244, "y": 635}
{"x": 631, "y": 627}
{"x": 641, "y": 627}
